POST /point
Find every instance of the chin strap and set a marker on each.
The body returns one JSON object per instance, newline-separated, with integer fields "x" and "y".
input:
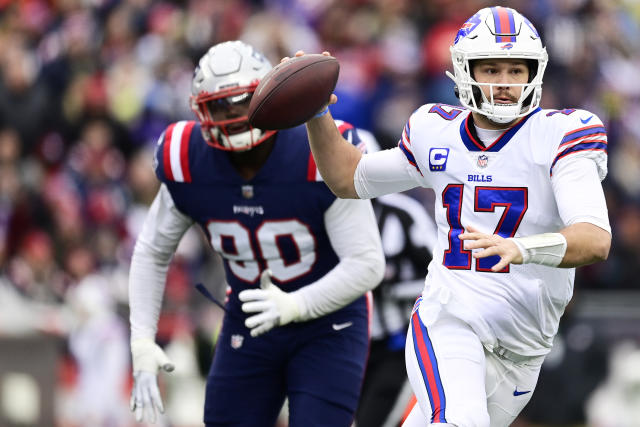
{"x": 544, "y": 249}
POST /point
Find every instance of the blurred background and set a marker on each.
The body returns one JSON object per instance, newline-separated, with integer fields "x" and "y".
{"x": 86, "y": 88}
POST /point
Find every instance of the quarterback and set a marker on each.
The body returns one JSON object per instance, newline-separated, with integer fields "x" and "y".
{"x": 519, "y": 205}
{"x": 299, "y": 262}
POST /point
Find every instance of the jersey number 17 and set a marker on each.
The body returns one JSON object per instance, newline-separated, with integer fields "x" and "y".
{"x": 486, "y": 199}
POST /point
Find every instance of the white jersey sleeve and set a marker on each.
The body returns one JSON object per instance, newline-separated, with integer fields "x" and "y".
{"x": 583, "y": 136}
{"x": 578, "y": 192}
{"x": 353, "y": 231}
{"x": 163, "y": 229}
{"x": 383, "y": 172}
{"x": 389, "y": 171}
{"x": 578, "y": 166}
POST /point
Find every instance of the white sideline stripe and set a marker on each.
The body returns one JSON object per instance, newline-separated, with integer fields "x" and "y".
{"x": 176, "y": 139}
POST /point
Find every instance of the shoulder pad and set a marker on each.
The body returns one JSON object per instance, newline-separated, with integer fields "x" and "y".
{"x": 583, "y": 135}
{"x": 171, "y": 160}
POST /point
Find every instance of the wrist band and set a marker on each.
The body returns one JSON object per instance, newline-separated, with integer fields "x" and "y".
{"x": 545, "y": 249}
{"x": 322, "y": 113}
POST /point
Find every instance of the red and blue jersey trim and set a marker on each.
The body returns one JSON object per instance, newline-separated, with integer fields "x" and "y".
{"x": 405, "y": 143}
{"x": 175, "y": 151}
{"x": 472, "y": 142}
{"x": 590, "y": 138}
{"x": 429, "y": 368}
{"x": 504, "y": 23}
{"x": 409, "y": 155}
{"x": 589, "y": 131}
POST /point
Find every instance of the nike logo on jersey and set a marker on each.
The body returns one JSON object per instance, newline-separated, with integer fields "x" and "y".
{"x": 520, "y": 393}
{"x": 585, "y": 121}
{"x": 340, "y": 326}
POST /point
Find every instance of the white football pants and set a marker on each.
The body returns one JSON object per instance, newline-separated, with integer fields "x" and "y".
{"x": 457, "y": 381}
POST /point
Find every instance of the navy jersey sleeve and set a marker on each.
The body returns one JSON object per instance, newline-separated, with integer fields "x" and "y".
{"x": 171, "y": 158}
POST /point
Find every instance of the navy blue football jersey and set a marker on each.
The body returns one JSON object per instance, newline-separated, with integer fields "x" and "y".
{"x": 274, "y": 220}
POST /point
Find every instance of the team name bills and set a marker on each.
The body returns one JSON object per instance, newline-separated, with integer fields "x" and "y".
{"x": 479, "y": 178}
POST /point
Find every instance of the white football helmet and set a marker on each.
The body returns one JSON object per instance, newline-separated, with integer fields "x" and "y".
{"x": 497, "y": 32}
{"x": 227, "y": 75}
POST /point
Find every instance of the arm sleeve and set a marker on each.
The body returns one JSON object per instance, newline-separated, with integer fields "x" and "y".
{"x": 578, "y": 192}
{"x": 353, "y": 232}
{"x": 163, "y": 228}
{"x": 384, "y": 172}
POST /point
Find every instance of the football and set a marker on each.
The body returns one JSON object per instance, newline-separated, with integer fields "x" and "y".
{"x": 292, "y": 92}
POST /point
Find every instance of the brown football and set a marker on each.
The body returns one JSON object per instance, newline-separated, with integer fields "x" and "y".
{"x": 293, "y": 92}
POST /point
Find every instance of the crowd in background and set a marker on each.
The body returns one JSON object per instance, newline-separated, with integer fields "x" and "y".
{"x": 87, "y": 86}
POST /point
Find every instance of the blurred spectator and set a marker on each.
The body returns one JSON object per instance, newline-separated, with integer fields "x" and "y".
{"x": 100, "y": 347}
{"x": 616, "y": 402}
{"x": 24, "y": 102}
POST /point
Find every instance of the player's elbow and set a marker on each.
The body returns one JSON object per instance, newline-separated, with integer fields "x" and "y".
{"x": 341, "y": 182}
{"x": 598, "y": 247}
{"x": 344, "y": 189}
{"x": 145, "y": 251}
{"x": 368, "y": 269}
{"x": 601, "y": 247}
{"x": 376, "y": 264}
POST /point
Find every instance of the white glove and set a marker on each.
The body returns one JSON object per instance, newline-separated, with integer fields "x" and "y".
{"x": 274, "y": 307}
{"x": 148, "y": 359}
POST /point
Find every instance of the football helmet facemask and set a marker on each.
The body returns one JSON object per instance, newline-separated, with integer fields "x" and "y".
{"x": 496, "y": 33}
{"x": 224, "y": 81}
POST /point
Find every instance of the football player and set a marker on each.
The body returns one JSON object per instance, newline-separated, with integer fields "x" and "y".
{"x": 299, "y": 262}
{"x": 519, "y": 205}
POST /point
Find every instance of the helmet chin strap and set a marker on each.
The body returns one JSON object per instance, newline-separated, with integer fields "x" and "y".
{"x": 241, "y": 141}
{"x": 500, "y": 114}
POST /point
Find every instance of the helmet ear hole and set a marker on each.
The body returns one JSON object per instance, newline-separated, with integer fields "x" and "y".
{"x": 477, "y": 95}
{"x": 532, "y": 65}
{"x": 472, "y": 64}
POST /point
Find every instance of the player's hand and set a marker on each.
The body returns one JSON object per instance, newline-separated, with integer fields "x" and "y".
{"x": 333, "y": 98}
{"x": 273, "y": 306}
{"x": 148, "y": 359}
{"x": 492, "y": 244}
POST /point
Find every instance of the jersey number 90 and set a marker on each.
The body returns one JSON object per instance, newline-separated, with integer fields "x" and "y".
{"x": 233, "y": 241}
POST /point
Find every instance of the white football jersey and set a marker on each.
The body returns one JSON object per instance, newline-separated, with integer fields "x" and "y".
{"x": 504, "y": 188}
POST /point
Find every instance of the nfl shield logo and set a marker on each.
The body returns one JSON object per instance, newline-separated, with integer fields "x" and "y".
{"x": 236, "y": 341}
{"x": 483, "y": 161}
{"x": 247, "y": 191}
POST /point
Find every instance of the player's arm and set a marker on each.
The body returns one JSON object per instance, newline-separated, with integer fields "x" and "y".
{"x": 351, "y": 174}
{"x": 586, "y": 243}
{"x": 336, "y": 158}
{"x": 585, "y": 240}
{"x": 343, "y": 166}
{"x": 353, "y": 232}
{"x": 163, "y": 228}
{"x": 354, "y": 236}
